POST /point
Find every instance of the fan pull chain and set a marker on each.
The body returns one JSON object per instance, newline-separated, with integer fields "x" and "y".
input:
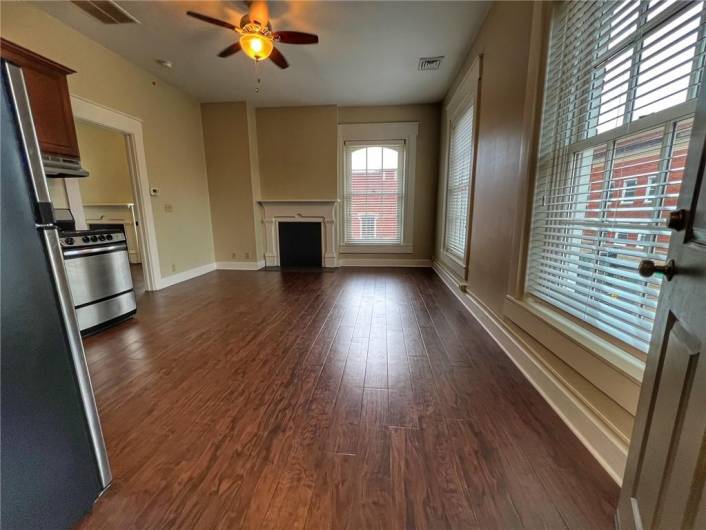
{"x": 257, "y": 76}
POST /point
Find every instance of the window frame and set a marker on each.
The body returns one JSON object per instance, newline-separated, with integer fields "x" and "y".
{"x": 624, "y": 197}
{"x": 578, "y": 132}
{"x": 371, "y": 133}
{"x": 453, "y": 120}
{"x": 465, "y": 95}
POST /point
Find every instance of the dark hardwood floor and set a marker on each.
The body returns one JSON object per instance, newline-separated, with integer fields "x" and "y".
{"x": 350, "y": 400}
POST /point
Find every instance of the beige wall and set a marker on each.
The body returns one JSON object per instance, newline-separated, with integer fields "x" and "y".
{"x": 255, "y": 180}
{"x": 297, "y": 152}
{"x": 104, "y": 156}
{"x": 228, "y": 159}
{"x": 427, "y": 167}
{"x": 171, "y": 122}
{"x": 503, "y": 41}
{"x": 511, "y": 44}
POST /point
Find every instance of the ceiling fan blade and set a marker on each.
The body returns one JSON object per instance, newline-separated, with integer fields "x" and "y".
{"x": 277, "y": 58}
{"x": 211, "y": 20}
{"x": 230, "y": 50}
{"x": 296, "y": 37}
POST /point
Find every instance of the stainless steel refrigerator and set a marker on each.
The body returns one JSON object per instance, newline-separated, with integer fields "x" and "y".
{"x": 53, "y": 463}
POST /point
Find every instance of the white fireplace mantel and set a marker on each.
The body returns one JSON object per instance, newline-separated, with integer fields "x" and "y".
{"x": 305, "y": 211}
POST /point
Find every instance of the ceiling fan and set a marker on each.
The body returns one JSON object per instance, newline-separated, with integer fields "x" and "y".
{"x": 257, "y": 39}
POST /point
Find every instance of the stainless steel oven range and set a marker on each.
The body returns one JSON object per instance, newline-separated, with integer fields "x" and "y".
{"x": 98, "y": 270}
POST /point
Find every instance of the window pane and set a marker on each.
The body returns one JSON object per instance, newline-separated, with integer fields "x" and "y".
{"x": 600, "y": 205}
{"x": 655, "y": 7}
{"x": 666, "y": 64}
{"x": 359, "y": 159}
{"x": 614, "y": 92}
{"x": 374, "y": 158}
{"x": 458, "y": 184}
{"x": 390, "y": 158}
{"x": 373, "y": 196}
{"x": 624, "y": 21}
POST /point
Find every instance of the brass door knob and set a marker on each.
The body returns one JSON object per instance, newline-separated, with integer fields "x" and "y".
{"x": 677, "y": 219}
{"x": 647, "y": 268}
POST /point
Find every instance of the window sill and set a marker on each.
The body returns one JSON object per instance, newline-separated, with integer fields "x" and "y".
{"x": 612, "y": 370}
{"x": 621, "y": 360}
{"x": 454, "y": 259}
{"x": 376, "y": 249}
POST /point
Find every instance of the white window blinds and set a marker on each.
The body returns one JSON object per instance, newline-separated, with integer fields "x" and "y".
{"x": 621, "y": 82}
{"x": 458, "y": 183}
{"x": 374, "y": 193}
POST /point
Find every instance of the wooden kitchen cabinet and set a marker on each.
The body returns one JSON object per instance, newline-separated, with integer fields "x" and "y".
{"x": 48, "y": 92}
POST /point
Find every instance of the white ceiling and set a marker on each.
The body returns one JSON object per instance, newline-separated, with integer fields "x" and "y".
{"x": 367, "y": 54}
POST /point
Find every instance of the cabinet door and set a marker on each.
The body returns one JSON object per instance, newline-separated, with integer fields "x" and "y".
{"x": 48, "y": 93}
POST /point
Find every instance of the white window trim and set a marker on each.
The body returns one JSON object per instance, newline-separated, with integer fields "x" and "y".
{"x": 624, "y": 199}
{"x": 381, "y": 132}
{"x": 465, "y": 94}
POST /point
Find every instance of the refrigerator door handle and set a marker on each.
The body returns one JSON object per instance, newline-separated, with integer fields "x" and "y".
{"x": 18, "y": 92}
{"x": 51, "y": 239}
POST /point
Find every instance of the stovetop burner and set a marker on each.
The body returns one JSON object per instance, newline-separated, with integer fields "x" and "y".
{"x": 91, "y": 237}
{"x": 89, "y": 232}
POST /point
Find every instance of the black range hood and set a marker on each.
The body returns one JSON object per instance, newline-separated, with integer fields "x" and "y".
{"x": 62, "y": 167}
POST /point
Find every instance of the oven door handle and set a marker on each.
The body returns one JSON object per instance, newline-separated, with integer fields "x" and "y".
{"x": 94, "y": 250}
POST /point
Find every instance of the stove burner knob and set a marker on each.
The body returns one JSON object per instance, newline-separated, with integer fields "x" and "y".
{"x": 85, "y": 239}
{"x": 109, "y": 237}
{"x": 101, "y": 237}
{"x": 69, "y": 240}
{"x": 94, "y": 238}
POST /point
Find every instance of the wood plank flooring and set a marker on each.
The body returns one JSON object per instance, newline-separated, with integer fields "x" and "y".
{"x": 356, "y": 399}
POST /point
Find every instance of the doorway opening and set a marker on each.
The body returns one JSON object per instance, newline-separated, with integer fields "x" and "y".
{"x": 119, "y": 195}
{"x": 107, "y": 195}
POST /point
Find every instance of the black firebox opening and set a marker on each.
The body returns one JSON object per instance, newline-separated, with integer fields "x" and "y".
{"x": 299, "y": 244}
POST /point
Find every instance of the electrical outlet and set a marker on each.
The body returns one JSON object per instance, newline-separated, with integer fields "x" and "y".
{"x": 234, "y": 255}
{"x": 168, "y": 208}
{"x": 173, "y": 268}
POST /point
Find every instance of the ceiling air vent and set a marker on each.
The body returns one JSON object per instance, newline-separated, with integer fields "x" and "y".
{"x": 430, "y": 63}
{"x": 106, "y": 11}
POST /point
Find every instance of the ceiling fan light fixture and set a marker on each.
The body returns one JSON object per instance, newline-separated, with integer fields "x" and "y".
{"x": 256, "y": 46}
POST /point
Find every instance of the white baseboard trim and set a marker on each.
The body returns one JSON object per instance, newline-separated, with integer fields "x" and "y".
{"x": 239, "y": 265}
{"x": 173, "y": 279}
{"x": 383, "y": 262}
{"x": 596, "y": 436}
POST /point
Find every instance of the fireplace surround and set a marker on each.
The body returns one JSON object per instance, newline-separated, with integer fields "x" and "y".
{"x": 301, "y": 211}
